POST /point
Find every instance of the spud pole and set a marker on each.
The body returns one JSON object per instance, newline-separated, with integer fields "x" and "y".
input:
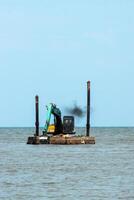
{"x": 37, "y": 115}
{"x": 88, "y": 110}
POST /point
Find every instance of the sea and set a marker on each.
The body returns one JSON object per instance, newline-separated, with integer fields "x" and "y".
{"x": 100, "y": 171}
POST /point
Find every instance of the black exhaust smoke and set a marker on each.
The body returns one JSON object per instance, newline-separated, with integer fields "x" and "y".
{"x": 76, "y": 110}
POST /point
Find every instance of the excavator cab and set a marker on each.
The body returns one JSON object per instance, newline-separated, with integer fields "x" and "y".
{"x": 68, "y": 125}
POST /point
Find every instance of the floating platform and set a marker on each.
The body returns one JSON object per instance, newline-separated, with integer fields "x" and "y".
{"x": 61, "y": 139}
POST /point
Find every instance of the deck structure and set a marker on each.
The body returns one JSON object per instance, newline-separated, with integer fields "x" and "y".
{"x": 61, "y": 140}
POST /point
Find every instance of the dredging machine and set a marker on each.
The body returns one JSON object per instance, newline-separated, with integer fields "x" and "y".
{"x": 65, "y": 126}
{"x": 60, "y": 127}
{"x": 61, "y": 131}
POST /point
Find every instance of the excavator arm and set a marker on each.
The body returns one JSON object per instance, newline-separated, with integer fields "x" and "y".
{"x": 52, "y": 109}
{"x": 48, "y": 118}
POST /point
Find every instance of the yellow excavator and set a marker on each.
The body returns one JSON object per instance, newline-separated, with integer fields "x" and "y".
{"x": 65, "y": 126}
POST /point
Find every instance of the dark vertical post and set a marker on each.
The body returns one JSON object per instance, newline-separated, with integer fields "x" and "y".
{"x": 88, "y": 109}
{"x": 37, "y": 115}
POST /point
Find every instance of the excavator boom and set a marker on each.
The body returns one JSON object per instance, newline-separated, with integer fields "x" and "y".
{"x": 52, "y": 109}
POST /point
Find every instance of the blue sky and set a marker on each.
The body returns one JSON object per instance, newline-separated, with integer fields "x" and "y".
{"x": 51, "y": 48}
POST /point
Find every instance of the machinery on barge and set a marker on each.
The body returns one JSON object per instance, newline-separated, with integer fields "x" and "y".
{"x": 65, "y": 126}
{"x": 62, "y": 130}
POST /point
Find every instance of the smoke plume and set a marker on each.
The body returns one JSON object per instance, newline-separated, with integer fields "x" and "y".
{"x": 76, "y": 110}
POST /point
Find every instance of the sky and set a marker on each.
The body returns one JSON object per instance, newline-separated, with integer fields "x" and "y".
{"x": 52, "y": 48}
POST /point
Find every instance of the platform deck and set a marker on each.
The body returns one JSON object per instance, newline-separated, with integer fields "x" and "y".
{"x": 63, "y": 140}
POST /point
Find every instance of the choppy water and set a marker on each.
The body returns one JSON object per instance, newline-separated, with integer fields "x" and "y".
{"x": 96, "y": 172}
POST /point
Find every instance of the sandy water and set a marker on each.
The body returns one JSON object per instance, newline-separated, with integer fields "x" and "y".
{"x": 96, "y": 172}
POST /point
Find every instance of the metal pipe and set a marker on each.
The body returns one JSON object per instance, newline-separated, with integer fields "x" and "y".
{"x": 88, "y": 110}
{"x": 37, "y": 114}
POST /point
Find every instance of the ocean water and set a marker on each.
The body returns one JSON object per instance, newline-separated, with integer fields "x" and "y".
{"x": 77, "y": 172}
